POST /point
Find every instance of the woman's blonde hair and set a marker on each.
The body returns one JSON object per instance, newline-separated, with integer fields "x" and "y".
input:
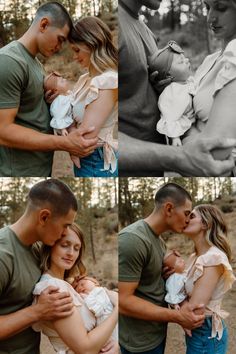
{"x": 216, "y": 233}
{"x": 94, "y": 33}
{"x": 44, "y": 253}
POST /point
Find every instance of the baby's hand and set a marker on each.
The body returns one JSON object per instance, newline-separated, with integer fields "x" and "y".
{"x": 50, "y": 96}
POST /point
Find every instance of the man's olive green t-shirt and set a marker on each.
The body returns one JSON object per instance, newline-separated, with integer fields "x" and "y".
{"x": 141, "y": 253}
{"x": 21, "y": 86}
{"x": 19, "y": 272}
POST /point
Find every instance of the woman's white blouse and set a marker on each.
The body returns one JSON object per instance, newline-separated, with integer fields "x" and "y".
{"x": 216, "y": 71}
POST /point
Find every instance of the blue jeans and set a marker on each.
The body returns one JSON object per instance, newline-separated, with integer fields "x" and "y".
{"x": 158, "y": 350}
{"x": 92, "y": 166}
{"x": 200, "y": 343}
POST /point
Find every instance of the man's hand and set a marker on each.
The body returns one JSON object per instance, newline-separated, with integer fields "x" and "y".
{"x": 197, "y": 159}
{"x": 79, "y": 145}
{"x": 52, "y": 304}
{"x": 111, "y": 347}
{"x": 187, "y": 317}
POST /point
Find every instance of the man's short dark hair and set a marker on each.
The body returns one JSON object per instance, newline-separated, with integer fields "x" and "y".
{"x": 57, "y": 12}
{"x": 171, "y": 191}
{"x": 54, "y": 193}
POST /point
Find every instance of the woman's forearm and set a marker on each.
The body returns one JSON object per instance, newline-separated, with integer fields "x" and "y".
{"x": 221, "y": 122}
{"x": 97, "y": 112}
{"x": 74, "y": 334}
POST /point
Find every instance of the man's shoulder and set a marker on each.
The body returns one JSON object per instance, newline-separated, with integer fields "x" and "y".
{"x": 13, "y": 52}
{"x": 137, "y": 229}
{"x": 5, "y": 237}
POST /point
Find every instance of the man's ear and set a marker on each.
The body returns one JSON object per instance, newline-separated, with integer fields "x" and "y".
{"x": 168, "y": 207}
{"x": 44, "y": 216}
{"x": 44, "y": 23}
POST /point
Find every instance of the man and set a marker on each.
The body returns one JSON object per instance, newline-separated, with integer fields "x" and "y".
{"x": 144, "y": 316}
{"x": 141, "y": 148}
{"x": 51, "y": 208}
{"x": 26, "y": 143}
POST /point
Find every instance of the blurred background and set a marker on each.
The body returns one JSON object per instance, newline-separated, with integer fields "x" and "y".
{"x": 184, "y": 21}
{"x": 136, "y": 201}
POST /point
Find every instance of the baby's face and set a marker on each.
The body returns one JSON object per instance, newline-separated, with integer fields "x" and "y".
{"x": 56, "y": 84}
{"x": 85, "y": 286}
{"x": 180, "y": 67}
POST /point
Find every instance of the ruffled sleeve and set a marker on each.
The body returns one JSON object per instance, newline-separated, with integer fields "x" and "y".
{"x": 177, "y": 116}
{"x": 105, "y": 81}
{"x": 61, "y": 112}
{"x": 61, "y": 284}
{"x": 211, "y": 258}
{"x": 228, "y": 70}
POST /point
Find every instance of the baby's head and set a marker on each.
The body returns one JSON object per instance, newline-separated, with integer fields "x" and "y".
{"x": 174, "y": 261}
{"x": 170, "y": 62}
{"x": 56, "y": 83}
{"x": 86, "y": 284}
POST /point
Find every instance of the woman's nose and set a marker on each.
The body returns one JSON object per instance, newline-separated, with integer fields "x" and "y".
{"x": 212, "y": 17}
{"x": 70, "y": 250}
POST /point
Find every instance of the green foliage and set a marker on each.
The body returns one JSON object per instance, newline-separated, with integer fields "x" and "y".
{"x": 136, "y": 195}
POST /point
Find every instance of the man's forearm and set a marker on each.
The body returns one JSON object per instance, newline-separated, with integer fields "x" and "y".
{"x": 138, "y": 155}
{"x": 23, "y": 138}
{"x": 18, "y": 321}
{"x": 136, "y": 307}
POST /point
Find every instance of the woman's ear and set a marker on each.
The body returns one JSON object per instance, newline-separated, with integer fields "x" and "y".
{"x": 44, "y": 216}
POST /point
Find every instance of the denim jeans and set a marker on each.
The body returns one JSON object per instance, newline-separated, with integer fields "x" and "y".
{"x": 92, "y": 166}
{"x": 158, "y": 350}
{"x": 200, "y": 343}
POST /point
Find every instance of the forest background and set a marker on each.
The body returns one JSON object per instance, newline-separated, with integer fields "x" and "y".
{"x": 136, "y": 201}
{"x": 16, "y": 17}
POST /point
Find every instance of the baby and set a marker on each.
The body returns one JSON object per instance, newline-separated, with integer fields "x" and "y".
{"x": 61, "y": 112}
{"x": 96, "y": 299}
{"x": 175, "y": 283}
{"x": 175, "y": 102}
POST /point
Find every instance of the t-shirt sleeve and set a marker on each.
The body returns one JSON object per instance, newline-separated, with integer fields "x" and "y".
{"x": 12, "y": 77}
{"x": 132, "y": 257}
{"x": 214, "y": 258}
{"x": 106, "y": 81}
{"x": 5, "y": 277}
{"x": 228, "y": 70}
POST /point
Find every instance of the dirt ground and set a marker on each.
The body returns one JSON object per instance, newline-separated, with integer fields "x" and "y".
{"x": 62, "y": 165}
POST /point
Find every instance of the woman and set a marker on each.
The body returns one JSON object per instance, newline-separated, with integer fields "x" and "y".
{"x": 214, "y": 102}
{"x": 209, "y": 277}
{"x": 96, "y": 93}
{"x": 70, "y": 335}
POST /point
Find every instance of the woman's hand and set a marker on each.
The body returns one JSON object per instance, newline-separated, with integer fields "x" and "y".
{"x": 50, "y": 96}
{"x": 111, "y": 347}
